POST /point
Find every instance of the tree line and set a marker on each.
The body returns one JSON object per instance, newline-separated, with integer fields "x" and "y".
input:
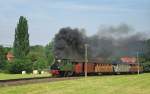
{"x": 26, "y": 58}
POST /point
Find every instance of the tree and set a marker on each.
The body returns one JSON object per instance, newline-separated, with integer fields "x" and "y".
{"x": 40, "y": 64}
{"x": 49, "y": 53}
{"x": 19, "y": 65}
{"x": 33, "y": 56}
{"x": 21, "y": 43}
{"x": 4, "y": 64}
{"x": 2, "y": 57}
{"x": 38, "y": 57}
{"x": 146, "y": 66}
{"x": 148, "y": 50}
{"x": 146, "y": 57}
{"x": 36, "y": 52}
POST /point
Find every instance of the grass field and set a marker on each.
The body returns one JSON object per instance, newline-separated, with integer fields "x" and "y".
{"x": 16, "y": 76}
{"x": 121, "y": 84}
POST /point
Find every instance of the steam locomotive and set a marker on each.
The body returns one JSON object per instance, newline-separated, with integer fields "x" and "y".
{"x": 71, "y": 67}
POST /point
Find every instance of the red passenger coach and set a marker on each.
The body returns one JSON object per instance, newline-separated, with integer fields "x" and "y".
{"x": 79, "y": 68}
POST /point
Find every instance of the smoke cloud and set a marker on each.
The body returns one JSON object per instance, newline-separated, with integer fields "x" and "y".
{"x": 108, "y": 42}
{"x": 68, "y": 43}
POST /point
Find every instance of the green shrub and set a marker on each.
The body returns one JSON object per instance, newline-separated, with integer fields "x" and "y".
{"x": 19, "y": 65}
{"x": 6, "y": 67}
{"x": 146, "y": 66}
{"x": 40, "y": 64}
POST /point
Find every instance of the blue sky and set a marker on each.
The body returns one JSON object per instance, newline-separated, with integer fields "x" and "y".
{"x": 46, "y": 17}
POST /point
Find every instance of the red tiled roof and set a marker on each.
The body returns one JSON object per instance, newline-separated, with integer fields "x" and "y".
{"x": 9, "y": 56}
{"x": 129, "y": 60}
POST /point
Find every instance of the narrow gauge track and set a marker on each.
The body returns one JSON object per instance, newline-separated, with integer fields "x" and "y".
{"x": 22, "y": 81}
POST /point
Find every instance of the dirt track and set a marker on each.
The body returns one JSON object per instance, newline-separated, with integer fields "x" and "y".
{"x": 23, "y": 81}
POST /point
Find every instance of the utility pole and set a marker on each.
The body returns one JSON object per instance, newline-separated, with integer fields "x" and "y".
{"x": 86, "y": 60}
{"x": 138, "y": 62}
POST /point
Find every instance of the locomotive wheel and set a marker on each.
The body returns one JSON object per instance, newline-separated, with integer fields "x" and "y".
{"x": 66, "y": 73}
{"x": 62, "y": 74}
{"x": 70, "y": 73}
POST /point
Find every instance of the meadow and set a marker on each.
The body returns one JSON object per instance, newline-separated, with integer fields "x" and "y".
{"x": 115, "y": 84}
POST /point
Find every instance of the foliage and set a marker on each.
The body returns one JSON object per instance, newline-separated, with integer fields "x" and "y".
{"x": 2, "y": 57}
{"x": 19, "y": 65}
{"x": 5, "y": 67}
{"x": 146, "y": 66}
{"x": 36, "y": 48}
{"x": 3, "y": 61}
{"x": 21, "y": 42}
{"x": 7, "y": 49}
{"x": 40, "y": 64}
{"x": 33, "y": 56}
{"x": 145, "y": 58}
{"x": 146, "y": 54}
{"x": 38, "y": 57}
{"x": 36, "y": 52}
{"x": 49, "y": 53}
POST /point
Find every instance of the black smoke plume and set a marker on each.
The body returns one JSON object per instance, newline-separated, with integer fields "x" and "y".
{"x": 109, "y": 42}
{"x": 68, "y": 43}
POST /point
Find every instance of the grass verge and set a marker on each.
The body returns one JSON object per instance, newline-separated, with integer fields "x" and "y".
{"x": 121, "y": 84}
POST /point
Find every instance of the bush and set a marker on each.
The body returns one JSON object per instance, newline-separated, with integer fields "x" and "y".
{"x": 146, "y": 66}
{"x": 40, "y": 64}
{"x": 19, "y": 65}
{"x": 2, "y": 65}
{"x": 6, "y": 67}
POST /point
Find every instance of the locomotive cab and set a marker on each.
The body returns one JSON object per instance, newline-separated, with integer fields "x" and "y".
{"x": 62, "y": 67}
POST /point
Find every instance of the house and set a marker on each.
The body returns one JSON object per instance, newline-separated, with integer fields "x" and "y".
{"x": 129, "y": 60}
{"x": 10, "y": 56}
